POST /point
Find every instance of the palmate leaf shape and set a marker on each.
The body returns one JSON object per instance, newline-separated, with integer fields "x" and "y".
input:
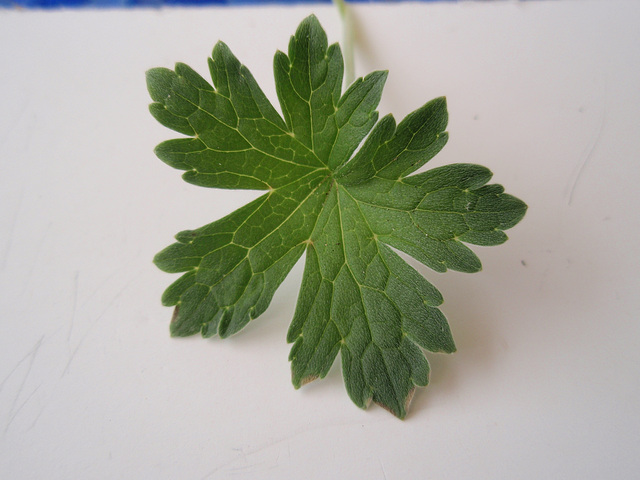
{"x": 346, "y": 210}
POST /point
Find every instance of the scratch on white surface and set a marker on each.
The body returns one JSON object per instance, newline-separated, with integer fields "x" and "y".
{"x": 95, "y": 321}
{"x": 245, "y": 468}
{"x": 88, "y": 299}
{"x": 74, "y": 306}
{"x": 30, "y": 356}
{"x": 384, "y": 474}
{"x": 245, "y": 453}
{"x": 36, "y": 258}
{"x": 35, "y": 420}
{"x": 17, "y": 411}
{"x": 543, "y": 279}
{"x": 74, "y": 352}
{"x": 11, "y": 233}
{"x": 588, "y": 156}
{"x": 16, "y": 123}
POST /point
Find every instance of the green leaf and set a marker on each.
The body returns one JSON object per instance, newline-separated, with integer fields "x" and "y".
{"x": 346, "y": 211}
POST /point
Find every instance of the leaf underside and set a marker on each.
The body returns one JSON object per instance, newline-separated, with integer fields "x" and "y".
{"x": 346, "y": 210}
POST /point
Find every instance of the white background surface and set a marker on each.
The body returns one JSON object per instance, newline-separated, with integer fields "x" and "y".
{"x": 545, "y": 383}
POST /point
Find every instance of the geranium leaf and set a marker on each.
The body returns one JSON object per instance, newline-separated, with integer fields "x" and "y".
{"x": 346, "y": 210}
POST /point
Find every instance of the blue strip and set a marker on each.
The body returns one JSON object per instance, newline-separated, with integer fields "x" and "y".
{"x": 39, "y": 4}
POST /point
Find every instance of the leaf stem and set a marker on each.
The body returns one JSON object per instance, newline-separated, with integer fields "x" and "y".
{"x": 347, "y": 34}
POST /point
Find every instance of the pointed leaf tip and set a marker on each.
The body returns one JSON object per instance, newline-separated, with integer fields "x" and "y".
{"x": 159, "y": 82}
